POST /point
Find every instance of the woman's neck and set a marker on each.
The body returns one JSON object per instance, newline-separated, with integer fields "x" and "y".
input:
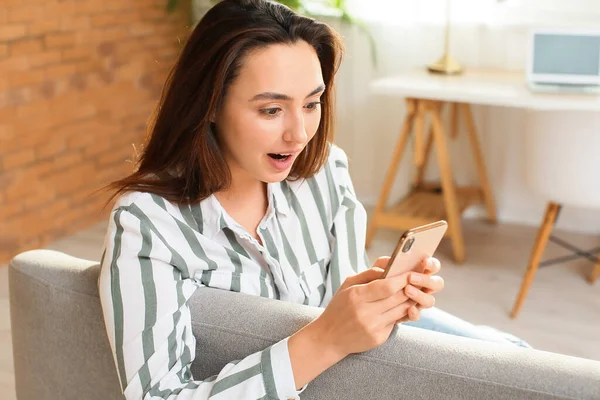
{"x": 243, "y": 190}
{"x": 246, "y": 203}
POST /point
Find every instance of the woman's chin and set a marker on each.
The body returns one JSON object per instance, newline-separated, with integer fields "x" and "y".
{"x": 274, "y": 177}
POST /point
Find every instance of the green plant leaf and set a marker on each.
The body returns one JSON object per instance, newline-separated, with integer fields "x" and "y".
{"x": 172, "y": 5}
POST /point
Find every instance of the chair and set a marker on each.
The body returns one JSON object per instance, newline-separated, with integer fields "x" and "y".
{"x": 563, "y": 167}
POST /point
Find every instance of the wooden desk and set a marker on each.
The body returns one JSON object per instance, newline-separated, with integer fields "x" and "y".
{"x": 427, "y": 93}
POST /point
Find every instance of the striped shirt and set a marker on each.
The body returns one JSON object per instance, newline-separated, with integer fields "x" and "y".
{"x": 157, "y": 254}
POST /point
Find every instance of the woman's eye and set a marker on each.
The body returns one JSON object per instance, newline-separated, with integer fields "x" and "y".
{"x": 314, "y": 105}
{"x": 270, "y": 111}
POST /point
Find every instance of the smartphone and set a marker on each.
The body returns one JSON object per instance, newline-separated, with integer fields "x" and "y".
{"x": 413, "y": 247}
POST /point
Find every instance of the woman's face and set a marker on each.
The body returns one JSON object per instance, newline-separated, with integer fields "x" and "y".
{"x": 271, "y": 111}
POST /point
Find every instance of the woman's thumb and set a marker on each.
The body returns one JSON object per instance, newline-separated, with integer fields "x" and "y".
{"x": 370, "y": 274}
{"x": 382, "y": 262}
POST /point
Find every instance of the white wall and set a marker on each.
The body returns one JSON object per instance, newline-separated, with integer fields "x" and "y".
{"x": 368, "y": 125}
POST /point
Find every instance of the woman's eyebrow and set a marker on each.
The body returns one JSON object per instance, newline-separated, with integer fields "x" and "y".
{"x": 280, "y": 96}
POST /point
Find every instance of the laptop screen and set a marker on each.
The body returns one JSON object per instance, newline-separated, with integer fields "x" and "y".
{"x": 563, "y": 54}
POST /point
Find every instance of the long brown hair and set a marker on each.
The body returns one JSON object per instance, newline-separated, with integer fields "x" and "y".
{"x": 182, "y": 138}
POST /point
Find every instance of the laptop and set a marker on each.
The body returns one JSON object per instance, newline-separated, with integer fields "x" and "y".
{"x": 564, "y": 61}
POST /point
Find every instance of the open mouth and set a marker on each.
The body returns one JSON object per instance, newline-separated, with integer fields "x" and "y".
{"x": 279, "y": 157}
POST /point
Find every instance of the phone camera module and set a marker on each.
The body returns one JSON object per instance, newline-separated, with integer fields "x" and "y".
{"x": 408, "y": 245}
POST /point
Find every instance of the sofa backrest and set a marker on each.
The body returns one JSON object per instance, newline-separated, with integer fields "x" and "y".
{"x": 61, "y": 349}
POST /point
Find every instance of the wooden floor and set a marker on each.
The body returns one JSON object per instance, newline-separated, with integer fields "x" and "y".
{"x": 561, "y": 314}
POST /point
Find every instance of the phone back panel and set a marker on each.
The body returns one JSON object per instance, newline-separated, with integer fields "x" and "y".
{"x": 426, "y": 240}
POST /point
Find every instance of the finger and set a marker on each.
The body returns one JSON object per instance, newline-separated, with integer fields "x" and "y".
{"x": 364, "y": 277}
{"x": 424, "y": 299}
{"x": 432, "y": 266}
{"x": 426, "y": 283}
{"x": 382, "y": 288}
{"x": 382, "y": 262}
{"x": 414, "y": 314}
{"x": 386, "y": 304}
{"x": 396, "y": 314}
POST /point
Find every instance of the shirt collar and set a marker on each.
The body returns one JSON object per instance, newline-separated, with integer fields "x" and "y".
{"x": 215, "y": 218}
{"x": 278, "y": 199}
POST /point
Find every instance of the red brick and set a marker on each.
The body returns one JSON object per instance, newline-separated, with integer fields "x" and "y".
{"x": 67, "y": 160}
{"x": 77, "y": 53}
{"x": 41, "y": 169}
{"x": 12, "y": 31}
{"x": 19, "y": 189}
{"x": 51, "y": 148}
{"x": 26, "y": 46}
{"x": 62, "y": 8}
{"x": 7, "y": 132}
{"x": 40, "y": 197}
{"x": 26, "y": 113}
{"x": 25, "y": 78}
{"x": 87, "y": 7}
{"x": 55, "y": 208}
{"x": 62, "y": 70}
{"x": 75, "y": 23}
{"x": 78, "y": 97}
{"x": 25, "y": 13}
{"x": 44, "y": 25}
{"x": 116, "y": 157}
{"x": 44, "y": 59}
{"x": 10, "y": 210}
{"x": 18, "y": 159}
{"x": 59, "y": 40}
{"x": 83, "y": 138}
{"x": 19, "y": 63}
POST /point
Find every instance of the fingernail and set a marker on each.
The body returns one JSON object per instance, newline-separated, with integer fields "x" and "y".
{"x": 415, "y": 278}
{"x": 411, "y": 290}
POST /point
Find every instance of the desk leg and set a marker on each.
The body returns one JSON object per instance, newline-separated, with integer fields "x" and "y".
{"x": 486, "y": 187}
{"x": 419, "y": 127}
{"x": 454, "y": 115}
{"x": 595, "y": 273}
{"x": 448, "y": 187}
{"x": 420, "y": 175}
{"x": 392, "y": 169}
{"x": 552, "y": 210}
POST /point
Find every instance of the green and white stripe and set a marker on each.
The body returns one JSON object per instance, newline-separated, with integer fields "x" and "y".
{"x": 157, "y": 254}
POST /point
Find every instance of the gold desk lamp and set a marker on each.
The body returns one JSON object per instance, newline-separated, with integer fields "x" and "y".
{"x": 446, "y": 64}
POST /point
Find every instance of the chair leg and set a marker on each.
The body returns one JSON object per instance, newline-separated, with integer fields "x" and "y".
{"x": 552, "y": 211}
{"x": 595, "y": 273}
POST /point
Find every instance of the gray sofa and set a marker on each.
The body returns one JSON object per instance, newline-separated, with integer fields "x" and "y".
{"x": 61, "y": 350}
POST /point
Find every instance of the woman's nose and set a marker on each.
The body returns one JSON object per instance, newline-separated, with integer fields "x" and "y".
{"x": 296, "y": 131}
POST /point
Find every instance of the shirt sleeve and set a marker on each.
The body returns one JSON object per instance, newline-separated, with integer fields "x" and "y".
{"x": 349, "y": 256}
{"x": 144, "y": 296}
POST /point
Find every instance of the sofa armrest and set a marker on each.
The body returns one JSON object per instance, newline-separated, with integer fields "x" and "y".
{"x": 412, "y": 364}
{"x": 60, "y": 346}
{"x": 59, "y": 269}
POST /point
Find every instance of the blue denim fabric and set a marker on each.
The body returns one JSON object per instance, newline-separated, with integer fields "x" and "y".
{"x": 437, "y": 320}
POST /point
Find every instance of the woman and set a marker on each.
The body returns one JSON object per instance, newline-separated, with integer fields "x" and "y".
{"x": 238, "y": 188}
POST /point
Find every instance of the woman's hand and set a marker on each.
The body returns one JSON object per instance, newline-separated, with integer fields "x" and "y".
{"x": 359, "y": 317}
{"x": 364, "y": 310}
{"x": 421, "y": 288}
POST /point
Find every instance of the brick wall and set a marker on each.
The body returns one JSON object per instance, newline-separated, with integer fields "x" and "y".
{"x": 78, "y": 81}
